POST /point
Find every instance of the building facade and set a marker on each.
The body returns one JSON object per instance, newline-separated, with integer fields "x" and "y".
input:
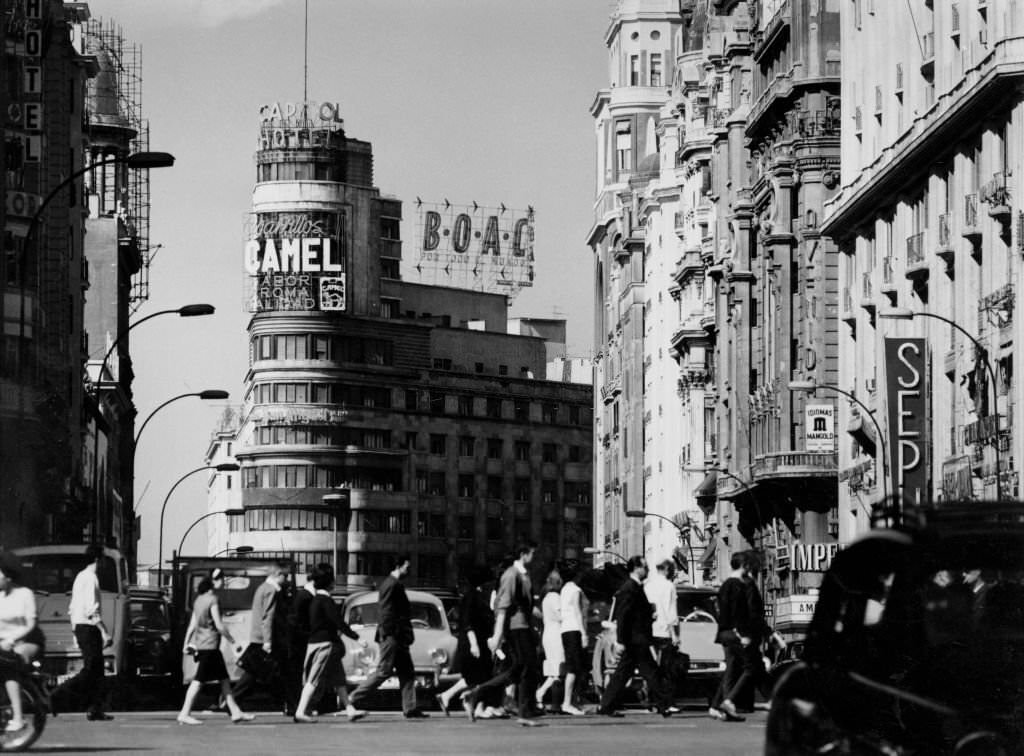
{"x": 416, "y": 403}
{"x": 930, "y": 232}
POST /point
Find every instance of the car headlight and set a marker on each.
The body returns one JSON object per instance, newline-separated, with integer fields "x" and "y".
{"x": 108, "y": 665}
{"x": 439, "y": 656}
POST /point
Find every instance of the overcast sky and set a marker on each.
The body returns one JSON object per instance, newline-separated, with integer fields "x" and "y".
{"x": 471, "y": 100}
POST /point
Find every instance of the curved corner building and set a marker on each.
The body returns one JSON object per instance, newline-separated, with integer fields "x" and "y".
{"x": 436, "y": 435}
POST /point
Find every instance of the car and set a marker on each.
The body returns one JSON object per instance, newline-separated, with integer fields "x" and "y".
{"x": 149, "y": 653}
{"x": 916, "y": 643}
{"x": 433, "y": 645}
{"x": 698, "y": 624}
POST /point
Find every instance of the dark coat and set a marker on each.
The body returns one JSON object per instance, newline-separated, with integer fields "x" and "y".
{"x": 633, "y": 615}
{"x": 395, "y": 613}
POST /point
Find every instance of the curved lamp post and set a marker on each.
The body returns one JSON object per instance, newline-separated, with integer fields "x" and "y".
{"x": 239, "y": 550}
{"x": 684, "y": 533}
{"x": 809, "y": 387}
{"x": 223, "y": 467}
{"x": 902, "y": 313}
{"x": 228, "y": 512}
{"x": 593, "y": 550}
{"x": 186, "y": 311}
{"x": 207, "y": 395}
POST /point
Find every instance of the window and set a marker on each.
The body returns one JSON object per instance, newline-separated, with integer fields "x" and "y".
{"x": 478, "y": 367}
{"x": 494, "y": 529}
{"x": 655, "y": 69}
{"x": 436, "y": 485}
{"x": 521, "y": 409}
{"x": 494, "y": 487}
{"x": 442, "y": 363}
{"x": 430, "y": 525}
{"x": 493, "y": 407}
{"x": 575, "y": 454}
{"x": 522, "y": 451}
{"x": 438, "y": 443}
{"x": 574, "y": 414}
{"x": 467, "y": 486}
{"x": 466, "y": 406}
{"x": 548, "y": 491}
{"x": 549, "y": 413}
{"x": 549, "y": 453}
{"x": 389, "y": 308}
{"x": 466, "y": 527}
{"x": 391, "y": 522}
{"x": 623, "y": 146}
{"x": 634, "y": 70}
{"x": 467, "y": 446}
{"x": 389, "y": 268}
{"x": 521, "y": 489}
{"x": 502, "y": 369}
{"x": 412, "y": 399}
{"x": 411, "y": 440}
{"x": 495, "y": 447}
{"x": 421, "y": 481}
{"x": 320, "y": 348}
{"x": 436, "y": 403}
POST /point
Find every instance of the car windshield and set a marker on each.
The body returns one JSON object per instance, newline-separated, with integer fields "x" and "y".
{"x": 688, "y": 602}
{"x": 422, "y": 614}
{"x": 55, "y": 573}
{"x": 148, "y": 615}
{"x": 239, "y": 587}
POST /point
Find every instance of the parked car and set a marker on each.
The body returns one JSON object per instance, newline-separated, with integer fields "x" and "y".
{"x": 433, "y": 646}
{"x": 698, "y": 624}
{"x": 916, "y": 643}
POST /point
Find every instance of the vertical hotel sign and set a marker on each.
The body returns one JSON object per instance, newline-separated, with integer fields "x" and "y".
{"x": 907, "y": 391}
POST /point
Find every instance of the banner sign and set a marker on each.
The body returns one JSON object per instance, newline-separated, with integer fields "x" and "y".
{"x": 475, "y": 247}
{"x": 819, "y": 427}
{"x": 295, "y": 261}
{"x": 957, "y": 479}
{"x": 298, "y": 125}
{"x": 907, "y": 391}
{"x": 812, "y": 557}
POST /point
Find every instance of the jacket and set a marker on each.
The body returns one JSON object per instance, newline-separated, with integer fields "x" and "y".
{"x": 634, "y": 615}
{"x": 264, "y": 604}
{"x": 395, "y": 613}
{"x": 733, "y": 611}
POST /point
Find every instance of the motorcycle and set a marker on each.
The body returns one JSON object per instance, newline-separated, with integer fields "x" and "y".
{"x": 35, "y": 702}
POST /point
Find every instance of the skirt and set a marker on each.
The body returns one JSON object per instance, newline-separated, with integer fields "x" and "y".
{"x": 553, "y": 653}
{"x": 474, "y": 670}
{"x": 210, "y": 666}
{"x": 322, "y": 667}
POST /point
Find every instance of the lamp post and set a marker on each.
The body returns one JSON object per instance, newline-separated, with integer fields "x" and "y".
{"x": 222, "y": 467}
{"x": 902, "y": 313}
{"x": 809, "y": 387}
{"x": 684, "y": 533}
{"x": 228, "y": 512}
{"x": 207, "y": 395}
{"x": 335, "y": 502}
{"x": 593, "y": 550}
{"x": 239, "y": 550}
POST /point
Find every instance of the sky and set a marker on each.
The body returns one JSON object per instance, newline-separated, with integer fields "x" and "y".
{"x": 470, "y": 100}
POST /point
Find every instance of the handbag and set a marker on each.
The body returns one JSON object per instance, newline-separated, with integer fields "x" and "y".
{"x": 258, "y": 662}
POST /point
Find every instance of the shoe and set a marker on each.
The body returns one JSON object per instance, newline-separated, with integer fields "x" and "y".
{"x": 610, "y": 713}
{"x": 673, "y": 710}
{"x": 354, "y": 715}
{"x": 729, "y": 709}
{"x": 665, "y": 713}
{"x": 716, "y": 713}
{"x": 496, "y": 713}
{"x": 442, "y": 704}
{"x": 16, "y": 725}
{"x": 303, "y": 719}
{"x": 243, "y": 717}
{"x": 468, "y": 706}
{"x": 573, "y": 711}
{"x": 416, "y": 714}
{"x": 98, "y": 716}
{"x": 763, "y": 706}
{"x": 188, "y": 720}
{"x": 529, "y": 722}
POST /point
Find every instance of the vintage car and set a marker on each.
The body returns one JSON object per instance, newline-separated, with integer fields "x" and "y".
{"x": 149, "y": 652}
{"x": 917, "y": 643}
{"x": 698, "y": 624}
{"x": 432, "y": 650}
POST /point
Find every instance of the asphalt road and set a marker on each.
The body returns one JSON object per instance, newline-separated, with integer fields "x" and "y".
{"x": 691, "y": 732}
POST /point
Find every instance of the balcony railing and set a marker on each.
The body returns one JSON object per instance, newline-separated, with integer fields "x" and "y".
{"x": 954, "y": 25}
{"x": 795, "y": 464}
{"x": 899, "y": 78}
{"x": 995, "y": 192}
{"x": 944, "y": 231}
{"x": 888, "y": 275}
{"x": 915, "y": 248}
{"x": 817, "y": 123}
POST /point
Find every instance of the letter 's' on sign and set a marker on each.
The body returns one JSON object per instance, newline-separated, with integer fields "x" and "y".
{"x": 909, "y": 440}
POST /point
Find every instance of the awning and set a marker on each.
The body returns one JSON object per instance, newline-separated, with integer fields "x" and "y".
{"x": 863, "y": 432}
{"x": 707, "y": 492}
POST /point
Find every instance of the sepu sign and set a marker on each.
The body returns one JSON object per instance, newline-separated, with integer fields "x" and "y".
{"x": 907, "y": 391}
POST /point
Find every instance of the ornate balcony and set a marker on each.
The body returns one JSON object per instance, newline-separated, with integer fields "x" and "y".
{"x": 971, "y": 229}
{"x": 917, "y": 265}
{"x": 889, "y": 287}
{"x": 867, "y": 294}
{"x": 945, "y": 247}
{"x": 809, "y": 479}
{"x": 846, "y": 311}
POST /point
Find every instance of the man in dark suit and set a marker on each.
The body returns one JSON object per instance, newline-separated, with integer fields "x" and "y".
{"x": 394, "y": 635}
{"x": 633, "y": 617}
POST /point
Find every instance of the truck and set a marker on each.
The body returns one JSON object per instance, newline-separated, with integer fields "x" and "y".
{"x": 50, "y": 571}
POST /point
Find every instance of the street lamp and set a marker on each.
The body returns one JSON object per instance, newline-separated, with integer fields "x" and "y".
{"x": 594, "y": 550}
{"x": 903, "y": 313}
{"x": 809, "y": 387}
{"x": 222, "y": 467}
{"x": 684, "y": 533}
{"x": 207, "y": 395}
{"x": 335, "y": 502}
{"x": 239, "y": 550}
{"x": 229, "y": 512}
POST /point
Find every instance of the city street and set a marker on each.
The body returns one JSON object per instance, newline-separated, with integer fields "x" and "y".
{"x": 386, "y": 732}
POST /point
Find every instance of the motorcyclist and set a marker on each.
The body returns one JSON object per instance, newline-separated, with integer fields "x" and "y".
{"x": 19, "y": 633}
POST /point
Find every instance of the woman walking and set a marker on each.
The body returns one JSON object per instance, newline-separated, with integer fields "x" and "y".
{"x": 325, "y": 650}
{"x": 472, "y": 656}
{"x": 202, "y": 638}
{"x": 573, "y": 606}
{"x": 19, "y": 633}
{"x": 551, "y": 638}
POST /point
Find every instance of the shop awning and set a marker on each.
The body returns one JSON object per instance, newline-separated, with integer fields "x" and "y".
{"x": 864, "y": 432}
{"x": 707, "y": 492}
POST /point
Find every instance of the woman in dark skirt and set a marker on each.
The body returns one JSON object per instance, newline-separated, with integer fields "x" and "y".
{"x": 472, "y": 656}
{"x": 203, "y": 638}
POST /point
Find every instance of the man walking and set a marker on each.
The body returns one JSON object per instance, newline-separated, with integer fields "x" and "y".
{"x": 734, "y": 635}
{"x": 634, "y": 617}
{"x": 92, "y": 637}
{"x": 513, "y": 612}
{"x": 660, "y": 590}
{"x": 760, "y": 630}
{"x": 257, "y": 662}
{"x": 395, "y": 636}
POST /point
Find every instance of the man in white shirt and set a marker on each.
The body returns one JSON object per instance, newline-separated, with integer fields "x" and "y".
{"x": 92, "y": 637}
{"x": 660, "y": 590}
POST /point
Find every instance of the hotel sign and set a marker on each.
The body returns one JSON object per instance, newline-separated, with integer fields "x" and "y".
{"x": 298, "y": 125}
{"x": 907, "y": 391}
{"x": 295, "y": 261}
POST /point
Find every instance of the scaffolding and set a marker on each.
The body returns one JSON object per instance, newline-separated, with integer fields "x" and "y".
{"x": 125, "y": 60}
